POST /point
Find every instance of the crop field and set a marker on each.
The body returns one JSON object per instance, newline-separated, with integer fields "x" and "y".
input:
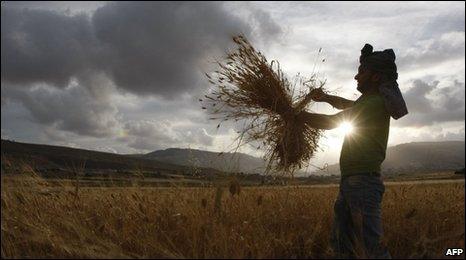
{"x": 41, "y": 220}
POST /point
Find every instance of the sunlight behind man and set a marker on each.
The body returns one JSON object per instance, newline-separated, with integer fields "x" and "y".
{"x": 346, "y": 128}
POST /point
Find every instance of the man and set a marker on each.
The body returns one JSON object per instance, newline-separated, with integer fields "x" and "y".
{"x": 357, "y": 228}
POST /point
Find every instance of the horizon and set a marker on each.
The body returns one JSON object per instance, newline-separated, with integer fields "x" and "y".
{"x": 89, "y": 75}
{"x": 210, "y": 151}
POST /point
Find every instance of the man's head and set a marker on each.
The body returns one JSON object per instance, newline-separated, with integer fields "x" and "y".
{"x": 368, "y": 80}
{"x": 376, "y": 67}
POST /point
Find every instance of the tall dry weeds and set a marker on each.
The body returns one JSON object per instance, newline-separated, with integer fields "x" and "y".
{"x": 43, "y": 220}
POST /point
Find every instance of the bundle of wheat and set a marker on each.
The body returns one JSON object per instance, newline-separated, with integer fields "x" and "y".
{"x": 247, "y": 87}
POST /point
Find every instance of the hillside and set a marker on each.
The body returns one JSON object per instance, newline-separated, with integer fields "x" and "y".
{"x": 57, "y": 158}
{"x": 426, "y": 155}
{"x": 228, "y": 162}
{"x": 406, "y": 158}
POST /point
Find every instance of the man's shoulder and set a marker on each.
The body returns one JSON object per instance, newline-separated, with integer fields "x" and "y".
{"x": 375, "y": 99}
{"x": 372, "y": 105}
{"x": 371, "y": 100}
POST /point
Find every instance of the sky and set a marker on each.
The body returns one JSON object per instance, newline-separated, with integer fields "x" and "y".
{"x": 125, "y": 77}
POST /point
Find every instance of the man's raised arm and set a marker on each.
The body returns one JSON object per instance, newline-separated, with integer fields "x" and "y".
{"x": 321, "y": 121}
{"x": 337, "y": 102}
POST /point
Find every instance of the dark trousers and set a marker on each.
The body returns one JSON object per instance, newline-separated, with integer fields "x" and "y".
{"x": 357, "y": 227}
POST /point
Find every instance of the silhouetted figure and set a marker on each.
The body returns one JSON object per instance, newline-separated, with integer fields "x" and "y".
{"x": 357, "y": 228}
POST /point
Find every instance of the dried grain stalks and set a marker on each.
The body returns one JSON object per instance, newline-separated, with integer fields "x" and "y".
{"x": 248, "y": 88}
{"x": 234, "y": 187}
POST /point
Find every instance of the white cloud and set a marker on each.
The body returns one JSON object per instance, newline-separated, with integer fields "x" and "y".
{"x": 428, "y": 104}
{"x": 148, "y": 135}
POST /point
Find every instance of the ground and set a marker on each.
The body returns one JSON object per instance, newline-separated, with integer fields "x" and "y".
{"x": 42, "y": 219}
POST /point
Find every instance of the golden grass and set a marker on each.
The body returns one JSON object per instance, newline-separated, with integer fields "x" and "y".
{"x": 41, "y": 221}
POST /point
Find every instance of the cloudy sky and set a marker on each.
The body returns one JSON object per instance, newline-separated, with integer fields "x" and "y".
{"x": 125, "y": 77}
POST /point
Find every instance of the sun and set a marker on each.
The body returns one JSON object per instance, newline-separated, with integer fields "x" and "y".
{"x": 346, "y": 128}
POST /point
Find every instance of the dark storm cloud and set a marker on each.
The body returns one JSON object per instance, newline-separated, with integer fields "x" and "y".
{"x": 44, "y": 46}
{"x": 144, "y": 47}
{"x": 158, "y": 47}
{"x": 429, "y": 104}
{"x": 72, "y": 109}
{"x": 64, "y": 6}
{"x": 140, "y": 47}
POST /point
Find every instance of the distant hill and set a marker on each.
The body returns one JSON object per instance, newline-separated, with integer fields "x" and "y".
{"x": 409, "y": 157}
{"x": 49, "y": 157}
{"x": 418, "y": 157}
{"x": 227, "y": 162}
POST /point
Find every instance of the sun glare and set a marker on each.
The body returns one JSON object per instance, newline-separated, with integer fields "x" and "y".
{"x": 346, "y": 128}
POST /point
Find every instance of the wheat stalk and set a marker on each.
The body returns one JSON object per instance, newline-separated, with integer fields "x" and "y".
{"x": 247, "y": 87}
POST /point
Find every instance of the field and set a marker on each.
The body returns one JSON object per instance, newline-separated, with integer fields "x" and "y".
{"x": 41, "y": 219}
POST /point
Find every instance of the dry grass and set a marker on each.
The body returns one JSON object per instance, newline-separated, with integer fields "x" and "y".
{"x": 247, "y": 87}
{"x": 40, "y": 221}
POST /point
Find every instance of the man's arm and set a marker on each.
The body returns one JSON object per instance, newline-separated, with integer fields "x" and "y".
{"x": 337, "y": 102}
{"x": 321, "y": 121}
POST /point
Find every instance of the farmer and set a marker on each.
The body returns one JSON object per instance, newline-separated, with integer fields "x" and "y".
{"x": 357, "y": 227}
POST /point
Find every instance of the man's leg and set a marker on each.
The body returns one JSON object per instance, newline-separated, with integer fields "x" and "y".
{"x": 342, "y": 229}
{"x": 363, "y": 195}
{"x": 353, "y": 188}
{"x": 372, "y": 219}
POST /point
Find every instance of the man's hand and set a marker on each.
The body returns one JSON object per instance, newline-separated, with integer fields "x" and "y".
{"x": 318, "y": 95}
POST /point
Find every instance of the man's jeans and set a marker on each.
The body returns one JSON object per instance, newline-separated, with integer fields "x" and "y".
{"x": 357, "y": 227}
